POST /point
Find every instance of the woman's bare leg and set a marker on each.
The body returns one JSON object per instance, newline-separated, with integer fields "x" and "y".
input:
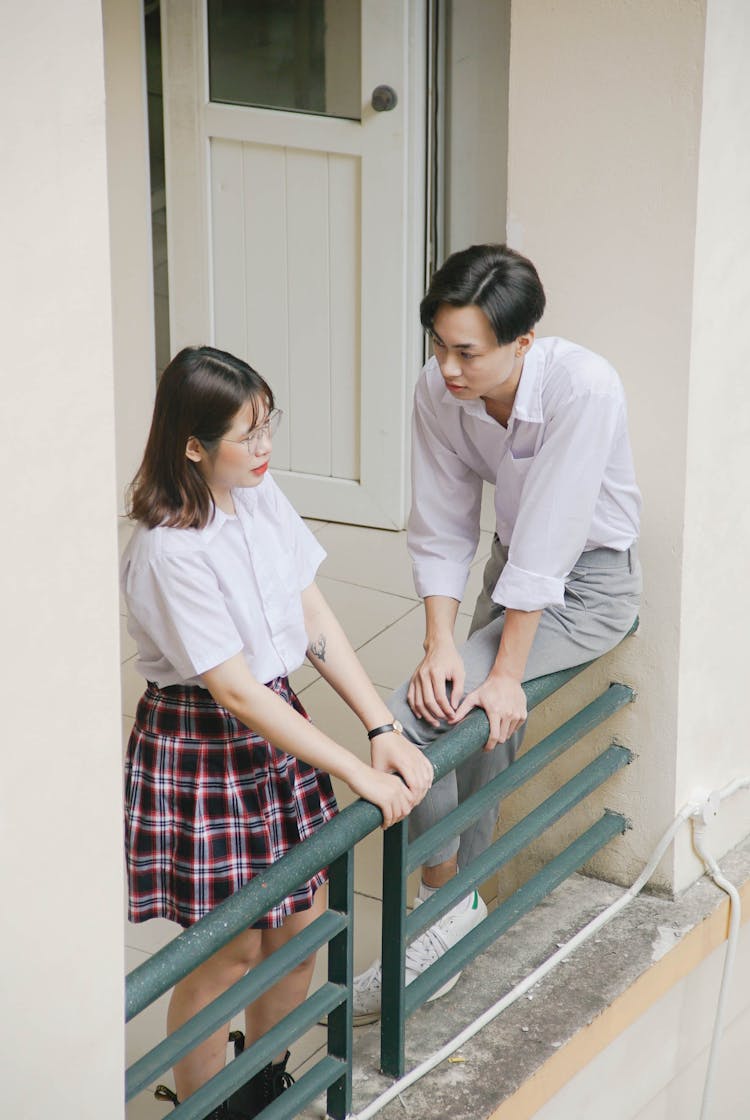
{"x": 197, "y": 990}
{"x": 289, "y": 993}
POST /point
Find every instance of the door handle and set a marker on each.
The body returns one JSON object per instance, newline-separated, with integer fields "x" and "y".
{"x": 384, "y": 98}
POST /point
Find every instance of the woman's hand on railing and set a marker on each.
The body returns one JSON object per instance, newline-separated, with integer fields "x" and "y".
{"x": 392, "y": 752}
{"x": 504, "y": 702}
{"x": 394, "y": 799}
{"x": 427, "y": 694}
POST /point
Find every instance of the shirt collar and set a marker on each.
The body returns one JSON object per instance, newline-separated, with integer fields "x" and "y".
{"x": 245, "y": 501}
{"x": 528, "y": 403}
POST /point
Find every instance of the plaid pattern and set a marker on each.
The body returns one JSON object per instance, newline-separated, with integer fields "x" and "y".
{"x": 209, "y": 804}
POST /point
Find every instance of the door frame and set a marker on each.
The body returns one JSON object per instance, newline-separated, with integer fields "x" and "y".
{"x": 185, "y": 65}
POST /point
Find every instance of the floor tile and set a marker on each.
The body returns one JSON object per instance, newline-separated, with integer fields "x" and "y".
{"x": 303, "y": 677}
{"x": 128, "y": 647}
{"x": 488, "y": 519}
{"x": 373, "y": 558}
{"x": 313, "y": 525}
{"x": 363, "y": 611}
{"x": 149, "y": 937}
{"x": 473, "y": 587}
{"x": 132, "y": 688}
{"x": 329, "y": 712}
{"x": 127, "y": 727}
{"x": 392, "y": 657}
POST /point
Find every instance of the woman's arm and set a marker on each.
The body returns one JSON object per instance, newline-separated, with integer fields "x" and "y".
{"x": 233, "y": 686}
{"x": 501, "y": 694}
{"x": 332, "y": 655}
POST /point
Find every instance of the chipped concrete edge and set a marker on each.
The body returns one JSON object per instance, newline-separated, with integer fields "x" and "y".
{"x": 665, "y": 970}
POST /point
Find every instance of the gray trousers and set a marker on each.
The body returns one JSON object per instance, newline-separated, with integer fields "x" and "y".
{"x": 601, "y": 604}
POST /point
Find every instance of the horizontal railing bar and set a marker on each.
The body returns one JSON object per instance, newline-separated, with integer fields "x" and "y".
{"x": 305, "y": 1089}
{"x": 292, "y": 1026}
{"x": 219, "y": 1012}
{"x": 460, "y": 742}
{"x": 216, "y": 929}
{"x": 518, "y": 837}
{"x": 524, "y": 768}
{"x": 520, "y": 903}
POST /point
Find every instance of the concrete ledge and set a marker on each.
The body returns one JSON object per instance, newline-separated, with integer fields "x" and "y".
{"x": 518, "y": 1062}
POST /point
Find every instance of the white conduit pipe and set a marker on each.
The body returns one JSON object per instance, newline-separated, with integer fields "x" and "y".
{"x": 700, "y": 819}
{"x": 689, "y": 810}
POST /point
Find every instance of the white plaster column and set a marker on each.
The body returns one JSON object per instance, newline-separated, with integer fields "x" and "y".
{"x": 712, "y": 729}
{"x": 61, "y": 967}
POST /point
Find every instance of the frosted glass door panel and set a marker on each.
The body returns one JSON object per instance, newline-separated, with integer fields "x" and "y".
{"x": 287, "y": 292}
{"x": 299, "y": 55}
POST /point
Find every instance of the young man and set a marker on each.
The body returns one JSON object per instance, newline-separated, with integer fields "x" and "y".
{"x": 545, "y": 421}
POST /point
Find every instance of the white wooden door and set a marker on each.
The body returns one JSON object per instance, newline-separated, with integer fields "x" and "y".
{"x": 296, "y": 239}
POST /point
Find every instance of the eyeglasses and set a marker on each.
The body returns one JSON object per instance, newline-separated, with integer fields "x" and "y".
{"x": 266, "y": 430}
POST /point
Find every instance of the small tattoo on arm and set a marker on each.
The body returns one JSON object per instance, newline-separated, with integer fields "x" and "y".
{"x": 318, "y": 648}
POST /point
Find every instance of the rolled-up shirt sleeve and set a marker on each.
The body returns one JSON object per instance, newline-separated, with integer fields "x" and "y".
{"x": 558, "y": 498}
{"x": 443, "y": 530}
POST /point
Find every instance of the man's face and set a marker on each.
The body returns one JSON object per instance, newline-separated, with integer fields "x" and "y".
{"x": 471, "y": 361}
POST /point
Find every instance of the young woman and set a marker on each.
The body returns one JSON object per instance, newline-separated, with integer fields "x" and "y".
{"x": 224, "y": 770}
{"x": 543, "y": 420}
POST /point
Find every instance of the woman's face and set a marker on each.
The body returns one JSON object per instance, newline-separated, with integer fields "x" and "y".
{"x": 242, "y": 454}
{"x": 472, "y": 362}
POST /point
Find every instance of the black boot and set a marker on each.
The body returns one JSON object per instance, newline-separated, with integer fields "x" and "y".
{"x": 265, "y": 1086}
{"x": 163, "y": 1093}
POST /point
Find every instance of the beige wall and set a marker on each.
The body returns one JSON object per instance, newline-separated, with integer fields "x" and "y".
{"x": 476, "y": 121}
{"x": 605, "y": 118}
{"x": 61, "y": 1037}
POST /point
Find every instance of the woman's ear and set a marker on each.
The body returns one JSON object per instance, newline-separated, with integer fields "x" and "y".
{"x": 194, "y": 450}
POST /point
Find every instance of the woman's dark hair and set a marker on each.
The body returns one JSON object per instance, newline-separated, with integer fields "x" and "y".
{"x": 501, "y": 282}
{"x": 199, "y": 394}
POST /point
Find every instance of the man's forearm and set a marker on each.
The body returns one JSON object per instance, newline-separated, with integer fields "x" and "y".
{"x": 440, "y": 618}
{"x": 519, "y": 632}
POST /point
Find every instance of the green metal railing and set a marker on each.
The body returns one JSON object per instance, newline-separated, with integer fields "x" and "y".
{"x": 400, "y": 857}
{"x": 332, "y": 846}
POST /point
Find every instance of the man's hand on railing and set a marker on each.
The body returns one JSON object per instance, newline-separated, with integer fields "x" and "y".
{"x": 504, "y": 701}
{"x": 392, "y": 752}
{"x": 428, "y": 695}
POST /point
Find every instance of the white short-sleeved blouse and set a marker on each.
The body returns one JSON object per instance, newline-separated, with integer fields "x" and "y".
{"x": 196, "y": 597}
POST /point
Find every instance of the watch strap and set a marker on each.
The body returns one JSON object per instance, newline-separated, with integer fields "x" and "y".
{"x": 385, "y": 727}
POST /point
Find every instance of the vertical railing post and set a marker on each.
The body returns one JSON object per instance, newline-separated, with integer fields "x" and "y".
{"x": 393, "y": 1009}
{"x": 341, "y": 971}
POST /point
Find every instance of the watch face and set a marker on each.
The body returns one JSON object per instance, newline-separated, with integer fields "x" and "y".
{"x": 398, "y": 726}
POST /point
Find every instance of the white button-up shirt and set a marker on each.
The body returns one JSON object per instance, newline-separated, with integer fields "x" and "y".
{"x": 562, "y": 470}
{"x": 196, "y": 597}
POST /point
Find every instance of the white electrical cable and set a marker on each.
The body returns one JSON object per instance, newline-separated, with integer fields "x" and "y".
{"x": 687, "y": 811}
{"x": 700, "y": 820}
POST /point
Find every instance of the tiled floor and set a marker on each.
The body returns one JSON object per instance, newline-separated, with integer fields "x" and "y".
{"x": 367, "y": 580}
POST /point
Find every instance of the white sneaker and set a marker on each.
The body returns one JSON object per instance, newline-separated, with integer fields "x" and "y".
{"x": 422, "y": 952}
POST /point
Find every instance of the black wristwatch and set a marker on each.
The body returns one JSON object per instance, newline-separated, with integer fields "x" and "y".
{"x": 395, "y": 726}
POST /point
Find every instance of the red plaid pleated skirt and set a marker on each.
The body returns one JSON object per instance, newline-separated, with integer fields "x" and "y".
{"x": 209, "y": 804}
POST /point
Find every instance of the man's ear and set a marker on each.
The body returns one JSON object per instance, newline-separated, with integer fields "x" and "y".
{"x": 523, "y": 343}
{"x": 194, "y": 450}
